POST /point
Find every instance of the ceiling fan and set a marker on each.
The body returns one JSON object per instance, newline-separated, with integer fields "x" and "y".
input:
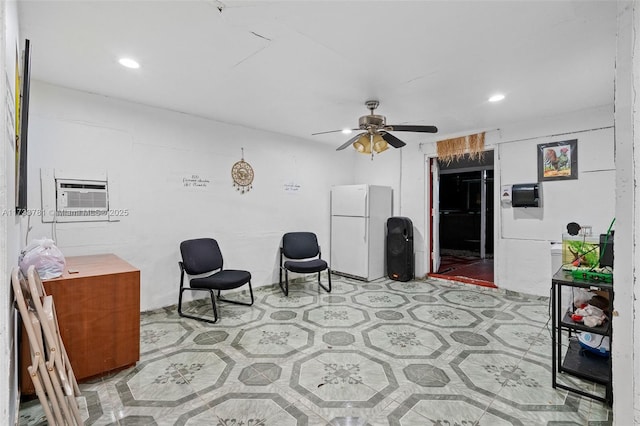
{"x": 375, "y": 136}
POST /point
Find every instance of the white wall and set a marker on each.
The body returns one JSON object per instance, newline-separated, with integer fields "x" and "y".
{"x": 626, "y": 365}
{"x": 522, "y": 236}
{"x": 149, "y": 151}
{"x": 9, "y": 225}
{"x": 403, "y": 170}
{"x": 629, "y": 360}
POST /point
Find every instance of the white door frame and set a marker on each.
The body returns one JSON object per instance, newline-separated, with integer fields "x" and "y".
{"x": 434, "y": 214}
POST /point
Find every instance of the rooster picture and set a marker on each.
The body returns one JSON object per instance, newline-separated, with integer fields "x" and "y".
{"x": 563, "y": 159}
{"x": 558, "y": 160}
{"x": 550, "y": 159}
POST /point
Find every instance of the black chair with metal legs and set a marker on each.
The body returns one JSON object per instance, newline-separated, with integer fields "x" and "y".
{"x": 304, "y": 257}
{"x": 201, "y": 256}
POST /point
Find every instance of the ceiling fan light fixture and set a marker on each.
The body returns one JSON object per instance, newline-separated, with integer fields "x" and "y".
{"x": 379, "y": 144}
{"x": 363, "y": 144}
{"x": 496, "y": 98}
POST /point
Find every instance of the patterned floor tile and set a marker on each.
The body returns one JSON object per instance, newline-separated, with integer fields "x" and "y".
{"x": 422, "y": 409}
{"x": 578, "y": 416}
{"x": 423, "y": 352}
{"x": 405, "y": 340}
{"x": 344, "y": 378}
{"x": 155, "y": 335}
{"x": 336, "y": 316}
{"x": 522, "y": 337}
{"x": 273, "y": 340}
{"x": 245, "y": 409}
{"x": 445, "y": 316}
{"x": 353, "y": 415}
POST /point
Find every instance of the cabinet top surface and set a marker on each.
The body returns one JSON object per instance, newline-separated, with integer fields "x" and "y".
{"x": 565, "y": 278}
{"x": 92, "y": 265}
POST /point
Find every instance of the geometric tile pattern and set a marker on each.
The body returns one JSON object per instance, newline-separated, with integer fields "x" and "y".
{"x": 273, "y": 340}
{"x": 469, "y": 338}
{"x": 405, "y": 340}
{"x": 426, "y": 375}
{"x": 471, "y": 299}
{"x": 172, "y": 379}
{"x": 244, "y": 409}
{"x": 340, "y": 378}
{"x": 380, "y": 299}
{"x": 422, "y": 352}
{"x": 445, "y": 316}
{"x": 423, "y": 409}
{"x": 260, "y": 373}
{"x": 338, "y": 338}
{"x": 342, "y": 316}
{"x": 522, "y": 337}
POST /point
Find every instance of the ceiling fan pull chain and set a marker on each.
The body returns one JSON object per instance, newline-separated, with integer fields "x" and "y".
{"x": 371, "y": 142}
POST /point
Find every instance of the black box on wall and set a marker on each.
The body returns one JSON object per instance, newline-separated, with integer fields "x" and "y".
{"x": 526, "y": 195}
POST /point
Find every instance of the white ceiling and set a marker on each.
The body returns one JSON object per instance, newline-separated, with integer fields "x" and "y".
{"x": 300, "y": 67}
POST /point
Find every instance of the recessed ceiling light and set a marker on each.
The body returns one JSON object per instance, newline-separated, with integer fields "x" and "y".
{"x": 129, "y": 63}
{"x": 346, "y": 131}
{"x": 496, "y": 98}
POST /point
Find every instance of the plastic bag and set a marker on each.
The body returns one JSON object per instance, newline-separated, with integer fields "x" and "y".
{"x": 44, "y": 256}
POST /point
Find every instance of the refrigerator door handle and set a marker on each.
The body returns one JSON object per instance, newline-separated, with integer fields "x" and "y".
{"x": 365, "y": 230}
{"x": 366, "y": 206}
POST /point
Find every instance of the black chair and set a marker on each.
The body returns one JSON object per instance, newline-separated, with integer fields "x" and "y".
{"x": 303, "y": 252}
{"x": 201, "y": 256}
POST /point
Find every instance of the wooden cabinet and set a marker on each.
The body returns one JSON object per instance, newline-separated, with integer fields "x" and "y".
{"x": 97, "y": 302}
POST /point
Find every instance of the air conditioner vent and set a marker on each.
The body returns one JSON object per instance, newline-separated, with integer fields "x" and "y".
{"x": 101, "y": 186}
{"x": 86, "y": 200}
{"x": 78, "y": 200}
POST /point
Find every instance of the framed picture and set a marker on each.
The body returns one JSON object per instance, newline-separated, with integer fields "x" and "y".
{"x": 558, "y": 160}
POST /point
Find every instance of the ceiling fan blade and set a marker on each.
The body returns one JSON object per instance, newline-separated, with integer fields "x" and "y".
{"x": 331, "y": 131}
{"x": 413, "y": 128}
{"x": 350, "y": 141}
{"x": 392, "y": 140}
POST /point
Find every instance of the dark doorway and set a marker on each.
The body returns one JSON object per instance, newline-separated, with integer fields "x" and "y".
{"x": 466, "y": 220}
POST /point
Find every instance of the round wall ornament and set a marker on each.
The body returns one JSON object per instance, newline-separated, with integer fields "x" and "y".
{"x": 242, "y": 174}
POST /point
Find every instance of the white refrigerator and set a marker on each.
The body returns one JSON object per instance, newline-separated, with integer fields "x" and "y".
{"x": 358, "y": 224}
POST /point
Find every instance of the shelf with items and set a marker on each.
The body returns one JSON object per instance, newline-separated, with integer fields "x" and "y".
{"x": 585, "y": 365}
{"x": 573, "y": 358}
{"x": 567, "y": 322}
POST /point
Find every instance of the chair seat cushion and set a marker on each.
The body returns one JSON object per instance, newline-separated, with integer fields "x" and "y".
{"x": 315, "y": 265}
{"x": 223, "y": 280}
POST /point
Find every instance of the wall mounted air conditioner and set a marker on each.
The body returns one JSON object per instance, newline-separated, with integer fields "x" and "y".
{"x": 81, "y": 200}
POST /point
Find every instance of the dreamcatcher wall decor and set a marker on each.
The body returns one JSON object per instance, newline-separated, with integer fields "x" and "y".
{"x": 242, "y": 174}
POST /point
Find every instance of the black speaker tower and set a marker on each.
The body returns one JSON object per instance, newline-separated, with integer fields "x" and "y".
{"x": 400, "y": 248}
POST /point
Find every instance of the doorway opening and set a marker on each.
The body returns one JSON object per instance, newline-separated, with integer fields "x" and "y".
{"x": 462, "y": 220}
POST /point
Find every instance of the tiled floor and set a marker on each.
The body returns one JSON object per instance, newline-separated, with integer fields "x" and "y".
{"x": 379, "y": 353}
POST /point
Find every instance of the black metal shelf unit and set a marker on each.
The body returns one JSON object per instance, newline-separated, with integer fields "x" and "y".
{"x": 573, "y": 359}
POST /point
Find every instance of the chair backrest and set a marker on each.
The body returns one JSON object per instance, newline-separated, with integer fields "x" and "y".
{"x": 200, "y": 255}
{"x": 300, "y": 245}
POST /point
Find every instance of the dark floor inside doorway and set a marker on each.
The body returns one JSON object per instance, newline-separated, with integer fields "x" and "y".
{"x": 466, "y": 269}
